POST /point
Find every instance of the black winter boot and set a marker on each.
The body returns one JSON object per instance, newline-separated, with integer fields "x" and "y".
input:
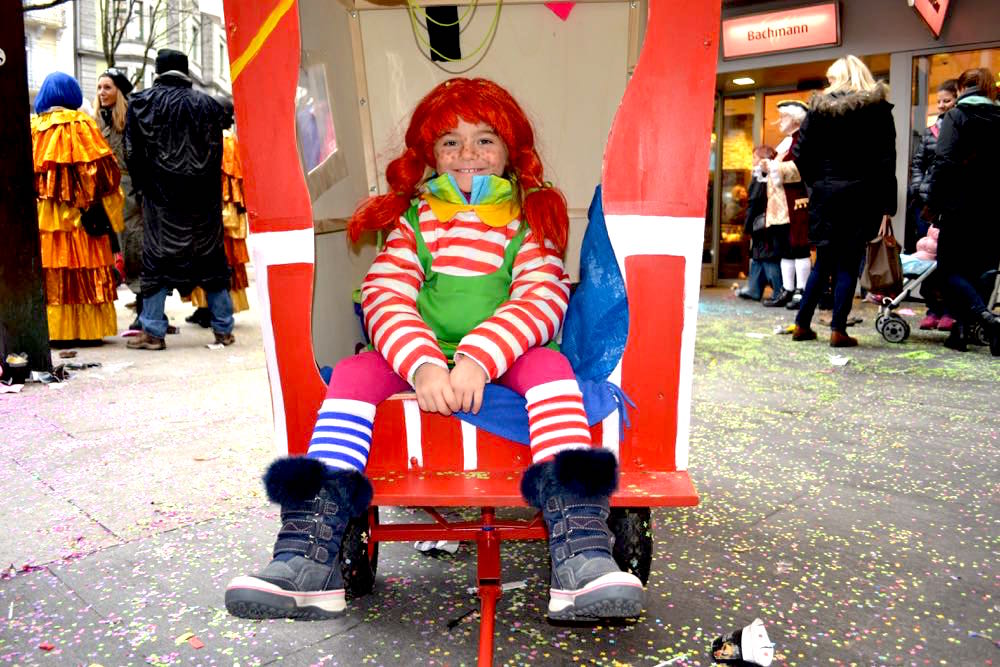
{"x": 572, "y": 490}
{"x": 957, "y": 339}
{"x": 304, "y": 580}
{"x": 991, "y": 324}
{"x": 779, "y": 298}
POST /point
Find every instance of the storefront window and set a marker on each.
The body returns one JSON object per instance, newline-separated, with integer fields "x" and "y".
{"x": 930, "y": 71}
{"x": 706, "y": 252}
{"x": 737, "y": 161}
{"x": 772, "y": 135}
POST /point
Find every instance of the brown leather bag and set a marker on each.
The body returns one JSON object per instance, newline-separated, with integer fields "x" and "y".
{"x": 883, "y": 272}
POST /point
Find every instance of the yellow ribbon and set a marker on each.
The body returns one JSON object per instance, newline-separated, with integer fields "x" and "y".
{"x": 492, "y": 215}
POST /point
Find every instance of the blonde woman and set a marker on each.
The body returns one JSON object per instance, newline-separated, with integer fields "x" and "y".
{"x": 111, "y": 105}
{"x": 846, "y": 155}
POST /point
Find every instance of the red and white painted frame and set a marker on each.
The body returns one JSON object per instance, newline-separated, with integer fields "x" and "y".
{"x": 654, "y": 179}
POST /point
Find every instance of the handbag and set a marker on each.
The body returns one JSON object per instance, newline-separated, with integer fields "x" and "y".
{"x": 883, "y": 272}
{"x": 758, "y": 223}
{"x": 94, "y": 220}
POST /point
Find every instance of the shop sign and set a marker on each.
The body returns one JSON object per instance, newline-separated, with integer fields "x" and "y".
{"x": 932, "y": 12}
{"x": 808, "y": 27}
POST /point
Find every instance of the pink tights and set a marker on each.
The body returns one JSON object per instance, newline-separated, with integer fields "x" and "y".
{"x": 368, "y": 376}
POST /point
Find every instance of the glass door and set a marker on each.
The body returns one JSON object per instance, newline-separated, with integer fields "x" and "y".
{"x": 737, "y": 150}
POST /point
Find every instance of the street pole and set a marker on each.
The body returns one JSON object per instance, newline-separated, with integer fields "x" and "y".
{"x": 22, "y": 287}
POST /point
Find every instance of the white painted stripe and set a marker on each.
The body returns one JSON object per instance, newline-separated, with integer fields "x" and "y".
{"x": 270, "y": 249}
{"x": 414, "y": 445}
{"x": 610, "y": 433}
{"x": 682, "y": 237}
{"x": 470, "y": 457}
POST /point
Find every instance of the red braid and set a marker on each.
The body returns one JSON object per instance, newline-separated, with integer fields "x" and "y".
{"x": 404, "y": 175}
{"x": 474, "y": 100}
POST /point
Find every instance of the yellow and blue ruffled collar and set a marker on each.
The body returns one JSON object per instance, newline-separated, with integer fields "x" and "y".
{"x": 492, "y": 199}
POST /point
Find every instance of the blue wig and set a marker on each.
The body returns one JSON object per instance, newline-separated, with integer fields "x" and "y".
{"x": 58, "y": 90}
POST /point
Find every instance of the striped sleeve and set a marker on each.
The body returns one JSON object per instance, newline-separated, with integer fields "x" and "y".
{"x": 389, "y": 303}
{"x": 539, "y": 295}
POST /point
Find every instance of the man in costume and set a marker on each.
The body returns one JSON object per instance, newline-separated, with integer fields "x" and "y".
{"x": 173, "y": 147}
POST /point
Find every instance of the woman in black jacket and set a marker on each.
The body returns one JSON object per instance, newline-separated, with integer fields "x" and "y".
{"x": 846, "y": 155}
{"x": 965, "y": 173}
{"x": 920, "y": 165}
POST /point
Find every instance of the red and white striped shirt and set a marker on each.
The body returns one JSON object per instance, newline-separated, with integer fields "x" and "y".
{"x": 465, "y": 246}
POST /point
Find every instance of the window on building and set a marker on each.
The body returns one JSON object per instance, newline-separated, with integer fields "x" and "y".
{"x": 195, "y": 44}
{"x": 222, "y": 64}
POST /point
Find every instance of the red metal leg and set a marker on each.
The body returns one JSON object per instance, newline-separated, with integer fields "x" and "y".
{"x": 488, "y": 566}
{"x": 488, "y": 593}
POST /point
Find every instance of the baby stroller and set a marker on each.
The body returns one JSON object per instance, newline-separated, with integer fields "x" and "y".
{"x": 890, "y": 324}
{"x": 896, "y": 330}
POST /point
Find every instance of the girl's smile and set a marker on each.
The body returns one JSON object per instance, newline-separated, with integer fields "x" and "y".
{"x": 470, "y": 150}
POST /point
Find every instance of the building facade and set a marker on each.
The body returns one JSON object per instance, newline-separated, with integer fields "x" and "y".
{"x": 48, "y": 43}
{"x": 67, "y": 38}
{"x": 191, "y": 26}
{"x": 761, "y": 68}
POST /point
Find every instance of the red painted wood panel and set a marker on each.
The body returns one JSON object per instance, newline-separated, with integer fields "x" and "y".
{"x": 656, "y": 160}
{"x": 264, "y": 97}
{"x": 652, "y": 360}
{"x": 416, "y": 488}
{"x": 290, "y": 290}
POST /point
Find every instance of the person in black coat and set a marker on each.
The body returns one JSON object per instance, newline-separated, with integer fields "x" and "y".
{"x": 173, "y": 148}
{"x": 846, "y": 155}
{"x": 917, "y": 223}
{"x": 965, "y": 172}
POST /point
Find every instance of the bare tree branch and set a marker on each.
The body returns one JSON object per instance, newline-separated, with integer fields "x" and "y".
{"x": 44, "y": 5}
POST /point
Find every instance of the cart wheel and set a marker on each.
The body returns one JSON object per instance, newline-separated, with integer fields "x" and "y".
{"x": 978, "y": 333}
{"x": 879, "y": 322}
{"x": 633, "y": 531}
{"x": 895, "y": 329}
{"x": 359, "y": 555}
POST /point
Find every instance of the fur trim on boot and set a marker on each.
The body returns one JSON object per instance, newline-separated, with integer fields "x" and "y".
{"x": 580, "y": 472}
{"x": 297, "y": 479}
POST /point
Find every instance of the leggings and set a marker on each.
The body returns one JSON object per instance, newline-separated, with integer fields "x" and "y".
{"x": 342, "y": 435}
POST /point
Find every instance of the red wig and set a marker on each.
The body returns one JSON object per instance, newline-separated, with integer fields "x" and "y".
{"x": 475, "y": 101}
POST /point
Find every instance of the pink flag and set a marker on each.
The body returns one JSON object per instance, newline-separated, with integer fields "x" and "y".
{"x": 561, "y": 9}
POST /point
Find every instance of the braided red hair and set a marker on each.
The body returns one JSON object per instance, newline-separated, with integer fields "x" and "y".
{"x": 476, "y": 101}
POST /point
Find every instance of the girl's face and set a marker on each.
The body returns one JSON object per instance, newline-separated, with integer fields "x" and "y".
{"x": 468, "y": 150}
{"x": 945, "y": 101}
{"x": 107, "y": 93}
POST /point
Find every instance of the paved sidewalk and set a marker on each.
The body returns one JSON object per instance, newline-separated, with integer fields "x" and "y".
{"x": 851, "y": 507}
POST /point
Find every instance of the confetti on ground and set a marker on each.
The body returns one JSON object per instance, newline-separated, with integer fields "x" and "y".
{"x": 852, "y": 511}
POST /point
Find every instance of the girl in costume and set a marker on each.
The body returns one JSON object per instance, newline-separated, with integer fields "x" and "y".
{"x": 79, "y": 207}
{"x": 469, "y": 288}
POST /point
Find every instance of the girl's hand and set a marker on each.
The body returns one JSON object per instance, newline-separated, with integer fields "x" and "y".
{"x": 468, "y": 380}
{"x": 434, "y": 392}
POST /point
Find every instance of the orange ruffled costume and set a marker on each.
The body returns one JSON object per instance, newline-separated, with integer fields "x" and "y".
{"x": 74, "y": 168}
{"x": 234, "y": 224}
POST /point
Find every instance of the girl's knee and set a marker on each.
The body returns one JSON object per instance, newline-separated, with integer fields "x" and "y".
{"x": 364, "y": 377}
{"x": 537, "y": 366}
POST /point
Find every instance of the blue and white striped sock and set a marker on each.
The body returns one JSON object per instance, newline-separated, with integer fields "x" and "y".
{"x": 342, "y": 436}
